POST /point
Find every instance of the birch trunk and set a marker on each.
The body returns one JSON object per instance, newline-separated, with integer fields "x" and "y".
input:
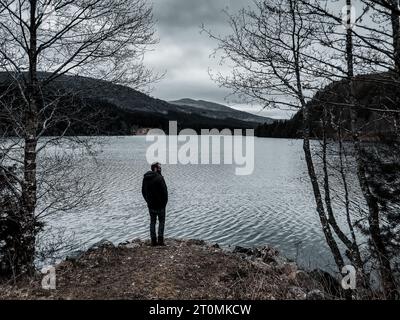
{"x": 29, "y": 187}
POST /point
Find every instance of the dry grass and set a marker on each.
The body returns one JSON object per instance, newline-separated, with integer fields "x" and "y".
{"x": 180, "y": 270}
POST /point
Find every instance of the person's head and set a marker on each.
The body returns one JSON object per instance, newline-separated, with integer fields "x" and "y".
{"x": 156, "y": 167}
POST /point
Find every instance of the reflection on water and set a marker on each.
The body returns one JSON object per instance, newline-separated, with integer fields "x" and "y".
{"x": 272, "y": 206}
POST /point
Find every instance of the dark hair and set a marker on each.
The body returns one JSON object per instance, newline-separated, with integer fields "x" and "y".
{"x": 155, "y": 165}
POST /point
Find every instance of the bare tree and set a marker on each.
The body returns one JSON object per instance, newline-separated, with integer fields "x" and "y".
{"x": 297, "y": 54}
{"x": 271, "y": 51}
{"x": 42, "y": 40}
{"x": 368, "y": 50}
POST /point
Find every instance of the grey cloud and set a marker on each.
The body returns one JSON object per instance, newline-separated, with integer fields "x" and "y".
{"x": 189, "y": 13}
{"x": 184, "y": 53}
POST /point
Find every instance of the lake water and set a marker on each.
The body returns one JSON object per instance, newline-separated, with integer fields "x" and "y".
{"x": 273, "y": 206}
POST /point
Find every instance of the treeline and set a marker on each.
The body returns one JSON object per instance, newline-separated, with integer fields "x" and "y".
{"x": 73, "y": 114}
{"x": 289, "y": 129}
{"x": 375, "y": 95}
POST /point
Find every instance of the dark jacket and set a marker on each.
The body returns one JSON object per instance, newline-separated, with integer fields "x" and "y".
{"x": 154, "y": 190}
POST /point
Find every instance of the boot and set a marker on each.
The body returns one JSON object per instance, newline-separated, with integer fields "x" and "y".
{"x": 153, "y": 242}
{"x": 161, "y": 241}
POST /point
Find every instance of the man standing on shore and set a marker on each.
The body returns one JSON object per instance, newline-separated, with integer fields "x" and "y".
{"x": 155, "y": 192}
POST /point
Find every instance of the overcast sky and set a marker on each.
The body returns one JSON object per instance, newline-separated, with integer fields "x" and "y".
{"x": 184, "y": 53}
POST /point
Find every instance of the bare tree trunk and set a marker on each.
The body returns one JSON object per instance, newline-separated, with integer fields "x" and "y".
{"x": 29, "y": 186}
{"x": 306, "y": 146}
{"x": 354, "y": 253}
{"x": 395, "y": 20}
{"x": 317, "y": 193}
{"x": 378, "y": 244}
{"x": 355, "y": 249}
{"x": 97, "y": 38}
{"x": 385, "y": 269}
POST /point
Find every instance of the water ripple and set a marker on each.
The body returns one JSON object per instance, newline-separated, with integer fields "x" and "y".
{"x": 272, "y": 206}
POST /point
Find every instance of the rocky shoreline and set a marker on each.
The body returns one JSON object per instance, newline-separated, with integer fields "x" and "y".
{"x": 183, "y": 269}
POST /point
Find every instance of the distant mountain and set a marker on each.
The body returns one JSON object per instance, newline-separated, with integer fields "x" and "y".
{"x": 220, "y": 111}
{"x": 134, "y": 109}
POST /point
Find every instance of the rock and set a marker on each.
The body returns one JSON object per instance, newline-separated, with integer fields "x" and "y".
{"x": 290, "y": 270}
{"x": 271, "y": 256}
{"x": 280, "y": 260}
{"x": 267, "y": 255}
{"x": 303, "y": 276}
{"x": 296, "y": 293}
{"x": 216, "y": 246}
{"x": 124, "y": 244}
{"x": 262, "y": 266}
{"x": 132, "y": 245}
{"x": 196, "y": 242}
{"x": 74, "y": 256}
{"x": 135, "y": 243}
{"x": 246, "y": 251}
{"x": 136, "y": 240}
{"x": 104, "y": 243}
{"x": 315, "y": 295}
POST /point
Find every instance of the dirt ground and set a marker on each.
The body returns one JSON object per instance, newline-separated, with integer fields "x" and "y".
{"x": 182, "y": 269}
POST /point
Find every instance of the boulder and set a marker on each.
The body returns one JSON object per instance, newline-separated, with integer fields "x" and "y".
{"x": 132, "y": 245}
{"x": 104, "y": 243}
{"x": 315, "y": 295}
{"x": 135, "y": 243}
{"x": 243, "y": 250}
{"x": 271, "y": 255}
{"x": 296, "y": 293}
{"x": 290, "y": 269}
{"x": 303, "y": 276}
{"x": 74, "y": 256}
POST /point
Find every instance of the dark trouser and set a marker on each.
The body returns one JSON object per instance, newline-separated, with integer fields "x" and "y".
{"x": 160, "y": 213}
